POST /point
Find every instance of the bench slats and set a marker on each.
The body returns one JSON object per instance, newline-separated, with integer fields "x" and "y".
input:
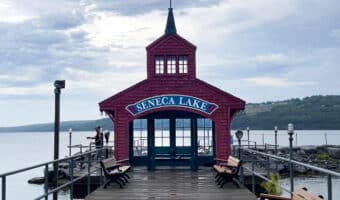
{"x": 115, "y": 171}
{"x": 299, "y": 194}
{"x": 227, "y": 170}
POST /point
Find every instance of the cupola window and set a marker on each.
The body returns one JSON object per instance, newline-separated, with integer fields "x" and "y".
{"x": 171, "y": 65}
{"x": 183, "y": 64}
{"x": 159, "y": 63}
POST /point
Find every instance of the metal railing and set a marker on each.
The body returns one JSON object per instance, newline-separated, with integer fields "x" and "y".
{"x": 267, "y": 156}
{"x": 73, "y": 160}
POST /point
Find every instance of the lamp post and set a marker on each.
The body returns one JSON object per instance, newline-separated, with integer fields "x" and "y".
{"x": 248, "y": 129}
{"x": 58, "y": 84}
{"x": 107, "y": 136}
{"x": 239, "y": 135}
{"x": 275, "y": 131}
{"x": 291, "y": 173}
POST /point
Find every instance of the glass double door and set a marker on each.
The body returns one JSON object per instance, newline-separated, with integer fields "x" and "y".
{"x": 172, "y": 138}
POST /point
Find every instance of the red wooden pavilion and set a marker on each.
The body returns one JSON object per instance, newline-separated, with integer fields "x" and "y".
{"x": 172, "y": 117}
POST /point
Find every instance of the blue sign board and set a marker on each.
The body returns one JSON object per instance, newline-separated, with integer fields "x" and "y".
{"x": 171, "y": 101}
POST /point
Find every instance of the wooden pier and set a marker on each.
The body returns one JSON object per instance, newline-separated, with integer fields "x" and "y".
{"x": 172, "y": 184}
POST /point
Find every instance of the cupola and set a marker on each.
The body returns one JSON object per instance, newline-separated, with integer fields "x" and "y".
{"x": 171, "y": 56}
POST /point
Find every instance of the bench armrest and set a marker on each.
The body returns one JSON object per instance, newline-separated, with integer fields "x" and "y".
{"x": 123, "y": 161}
{"x": 221, "y": 160}
{"x": 114, "y": 167}
{"x": 272, "y": 197}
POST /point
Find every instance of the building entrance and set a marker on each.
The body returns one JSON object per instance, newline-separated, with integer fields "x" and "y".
{"x": 172, "y": 138}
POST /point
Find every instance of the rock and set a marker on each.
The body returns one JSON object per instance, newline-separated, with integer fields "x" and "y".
{"x": 309, "y": 149}
{"x": 300, "y": 169}
{"x": 280, "y": 167}
{"x": 334, "y": 152}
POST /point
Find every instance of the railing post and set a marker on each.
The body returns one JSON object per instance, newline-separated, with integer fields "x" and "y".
{"x": 329, "y": 185}
{"x": 46, "y": 181}
{"x": 3, "y": 188}
{"x": 248, "y": 129}
{"x": 253, "y": 176}
{"x": 70, "y": 142}
{"x": 242, "y": 175}
{"x": 291, "y": 172}
{"x": 71, "y": 178}
{"x": 89, "y": 174}
{"x": 267, "y": 165}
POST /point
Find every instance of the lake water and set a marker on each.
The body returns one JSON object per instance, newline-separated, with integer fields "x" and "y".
{"x": 19, "y": 150}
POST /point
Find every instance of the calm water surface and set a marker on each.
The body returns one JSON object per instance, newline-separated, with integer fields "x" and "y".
{"x": 19, "y": 150}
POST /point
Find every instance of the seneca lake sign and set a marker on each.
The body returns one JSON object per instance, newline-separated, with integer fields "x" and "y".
{"x": 161, "y": 101}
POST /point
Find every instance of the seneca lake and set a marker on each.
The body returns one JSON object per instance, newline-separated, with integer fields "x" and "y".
{"x": 20, "y": 150}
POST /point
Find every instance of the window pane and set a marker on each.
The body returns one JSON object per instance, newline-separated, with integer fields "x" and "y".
{"x": 166, "y": 133}
{"x": 200, "y": 132}
{"x": 187, "y": 142}
{"x": 187, "y": 133}
{"x": 140, "y": 137}
{"x": 171, "y": 65}
{"x": 159, "y": 65}
{"x": 179, "y": 142}
{"x": 166, "y": 142}
{"x": 144, "y": 133}
{"x": 158, "y": 133}
{"x": 158, "y": 142}
{"x": 183, "y": 64}
{"x": 204, "y": 137}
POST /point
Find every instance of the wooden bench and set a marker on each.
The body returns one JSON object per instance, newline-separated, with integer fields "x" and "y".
{"x": 227, "y": 170}
{"x": 299, "y": 194}
{"x": 115, "y": 171}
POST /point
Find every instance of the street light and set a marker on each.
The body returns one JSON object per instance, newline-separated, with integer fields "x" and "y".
{"x": 58, "y": 84}
{"x": 239, "y": 135}
{"x": 248, "y": 129}
{"x": 291, "y": 133}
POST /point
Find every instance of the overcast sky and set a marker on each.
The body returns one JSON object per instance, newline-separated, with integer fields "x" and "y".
{"x": 258, "y": 50}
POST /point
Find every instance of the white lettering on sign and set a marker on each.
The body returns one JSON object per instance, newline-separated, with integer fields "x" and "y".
{"x": 172, "y": 101}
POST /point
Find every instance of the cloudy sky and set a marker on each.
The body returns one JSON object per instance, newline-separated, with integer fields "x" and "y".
{"x": 258, "y": 50}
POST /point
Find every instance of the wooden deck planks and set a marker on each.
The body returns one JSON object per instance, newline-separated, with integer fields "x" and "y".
{"x": 172, "y": 184}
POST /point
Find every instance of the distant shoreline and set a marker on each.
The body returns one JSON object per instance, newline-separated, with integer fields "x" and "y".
{"x": 309, "y": 113}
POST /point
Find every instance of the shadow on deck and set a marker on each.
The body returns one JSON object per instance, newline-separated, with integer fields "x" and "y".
{"x": 172, "y": 184}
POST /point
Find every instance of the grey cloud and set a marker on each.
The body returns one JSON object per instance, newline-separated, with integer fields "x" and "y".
{"x": 62, "y": 20}
{"x": 136, "y": 7}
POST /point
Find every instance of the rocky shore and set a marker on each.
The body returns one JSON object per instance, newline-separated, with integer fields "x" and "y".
{"x": 327, "y": 157}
